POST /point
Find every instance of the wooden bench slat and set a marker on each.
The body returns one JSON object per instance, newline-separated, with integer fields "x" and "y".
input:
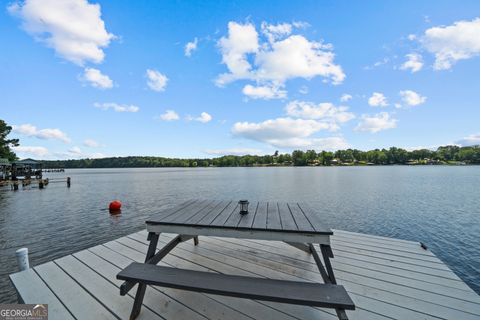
{"x": 293, "y": 292}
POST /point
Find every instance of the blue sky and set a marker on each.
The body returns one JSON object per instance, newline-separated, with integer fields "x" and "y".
{"x": 198, "y": 79}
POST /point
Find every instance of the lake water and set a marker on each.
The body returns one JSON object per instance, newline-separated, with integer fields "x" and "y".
{"x": 437, "y": 205}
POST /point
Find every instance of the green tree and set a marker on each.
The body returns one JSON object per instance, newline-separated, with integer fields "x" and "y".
{"x": 298, "y": 158}
{"x": 326, "y": 157}
{"x": 310, "y": 156}
{"x": 6, "y": 144}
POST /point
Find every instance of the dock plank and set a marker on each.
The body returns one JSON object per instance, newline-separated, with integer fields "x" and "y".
{"x": 195, "y": 261}
{"x": 72, "y": 295}
{"x": 100, "y": 259}
{"x": 411, "y": 278}
{"x": 386, "y": 278}
{"x": 258, "y": 267}
{"x": 30, "y": 287}
{"x": 409, "y": 296}
{"x": 199, "y": 263}
{"x": 195, "y": 301}
{"x": 222, "y": 265}
{"x": 102, "y": 289}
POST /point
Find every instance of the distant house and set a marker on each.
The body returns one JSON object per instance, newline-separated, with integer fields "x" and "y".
{"x": 4, "y": 168}
{"x": 335, "y": 162}
{"x": 27, "y": 168}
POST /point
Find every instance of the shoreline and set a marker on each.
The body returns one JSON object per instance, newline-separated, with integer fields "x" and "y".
{"x": 286, "y": 166}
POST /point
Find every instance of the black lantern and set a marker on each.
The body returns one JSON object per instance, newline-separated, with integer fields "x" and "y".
{"x": 243, "y": 206}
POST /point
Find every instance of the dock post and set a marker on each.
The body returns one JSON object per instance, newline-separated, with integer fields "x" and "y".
{"x": 22, "y": 258}
{"x": 68, "y": 182}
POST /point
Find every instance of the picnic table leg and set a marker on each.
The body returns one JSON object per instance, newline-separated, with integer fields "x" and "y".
{"x": 327, "y": 271}
{"x": 137, "y": 304}
{"x": 327, "y": 253}
{"x": 195, "y": 240}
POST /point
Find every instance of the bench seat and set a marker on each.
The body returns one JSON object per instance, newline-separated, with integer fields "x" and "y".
{"x": 293, "y": 292}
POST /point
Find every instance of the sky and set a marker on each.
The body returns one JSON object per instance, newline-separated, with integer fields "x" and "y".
{"x": 201, "y": 79}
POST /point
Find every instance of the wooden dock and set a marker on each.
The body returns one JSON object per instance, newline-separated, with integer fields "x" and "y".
{"x": 386, "y": 278}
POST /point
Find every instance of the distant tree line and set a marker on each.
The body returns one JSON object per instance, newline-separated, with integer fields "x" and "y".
{"x": 443, "y": 155}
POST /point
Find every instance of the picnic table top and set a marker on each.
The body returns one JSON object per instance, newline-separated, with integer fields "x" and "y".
{"x": 271, "y": 216}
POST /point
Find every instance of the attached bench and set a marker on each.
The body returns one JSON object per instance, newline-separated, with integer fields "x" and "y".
{"x": 293, "y": 292}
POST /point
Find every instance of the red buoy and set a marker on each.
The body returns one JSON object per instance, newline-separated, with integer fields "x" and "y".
{"x": 115, "y": 206}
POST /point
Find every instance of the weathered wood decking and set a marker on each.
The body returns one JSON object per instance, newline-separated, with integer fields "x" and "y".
{"x": 386, "y": 278}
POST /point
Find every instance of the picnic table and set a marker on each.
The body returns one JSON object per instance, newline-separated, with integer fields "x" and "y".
{"x": 293, "y": 223}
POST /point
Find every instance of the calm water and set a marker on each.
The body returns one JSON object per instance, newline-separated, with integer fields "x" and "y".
{"x": 439, "y": 206}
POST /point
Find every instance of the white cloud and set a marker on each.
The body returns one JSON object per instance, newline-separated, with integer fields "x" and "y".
{"x": 156, "y": 80}
{"x": 191, "y": 47}
{"x": 295, "y": 131}
{"x": 303, "y": 90}
{"x": 329, "y": 143}
{"x": 281, "y": 57}
{"x": 452, "y": 43}
{"x": 280, "y": 132}
{"x": 73, "y": 28}
{"x": 325, "y": 111}
{"x": 412, "y": 98}
{"x": 378, "y": 63}
{"x": 30, "y": 130}
{"x": 75, "y": 151}
{"x": 242, "y": 39}
{"x": 432, "y": 148}
{"x": 97, "y": 155}
{"x": 296, "y": 57}
{"x": 116, "y": 107}
{"x": 274, "y": 32}
{"x": 471, "y": 140}
{"x": 169, "y": 115}
{"x": 233, "y": 151}
{"x": 300, "y": 24}
{"x": 35, "y": 151}
{"x": 264, "y": 92}
{"x": 378, "y": 122}
{"x": 414, "y": 62}
{"x": 378, "y": 100}
{"x": 96, "y": 79}
{"x": 346, "y": 97}
{"x": 204, "y": 117}
{"x": 91, "y": 143}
